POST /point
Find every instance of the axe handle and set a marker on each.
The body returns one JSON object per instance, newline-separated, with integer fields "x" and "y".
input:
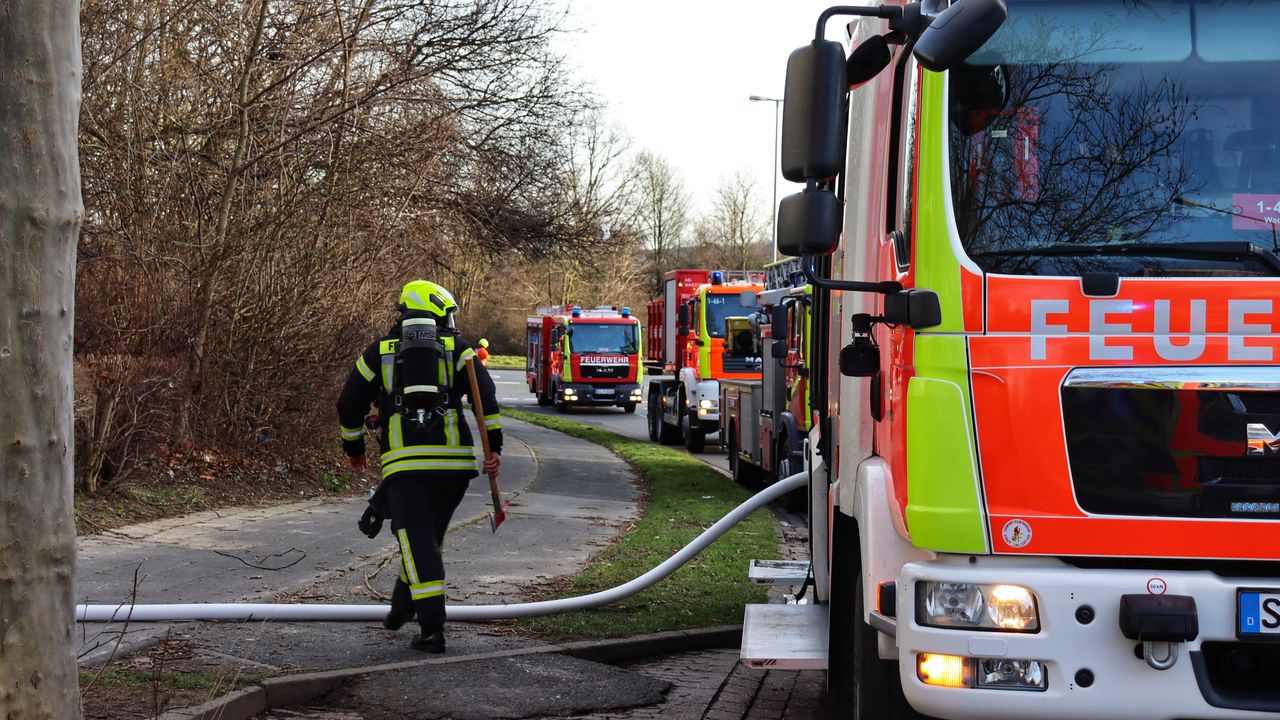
{"x": 478, "y": 406}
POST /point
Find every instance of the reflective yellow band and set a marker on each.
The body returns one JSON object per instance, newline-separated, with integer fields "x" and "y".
{"x": 451, "y": 428}
{"x": 362, "y": 367}
{"x": 466, "y": 355}
{"x": 448, "y": 343}
{"x": 396, "y": 432}
{"x": 421, "y": 388}
{"x": 352, "y": 433}
{"x": 405, "y": 465}
{"x": 427, "y": 451}
{"x": 493, "y": 422}
{"x": 388, "y": 372}
{"x": 425, "y": 590}
{"x": 406, "y": 556}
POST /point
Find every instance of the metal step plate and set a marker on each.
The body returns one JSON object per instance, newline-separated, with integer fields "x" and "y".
{"x": 778, "y": 572}
{"x": 786, "y": 637}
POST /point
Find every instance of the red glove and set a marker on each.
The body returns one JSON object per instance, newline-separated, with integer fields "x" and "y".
{"x": 357, "y": 462}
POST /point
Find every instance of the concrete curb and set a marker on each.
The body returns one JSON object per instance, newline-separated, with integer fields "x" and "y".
{"x": 298, "y": 689}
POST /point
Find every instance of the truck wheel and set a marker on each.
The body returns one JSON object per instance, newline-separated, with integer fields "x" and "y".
{"x": 695, "y": 438}
{"x": 743, "y": 473}
{"x": 544, "y": 400}
{"x": 629, "y": 408}
{"x": 860, "y": 686}
{"x": 784, "y": 466}
{"x": 660, "y": 431}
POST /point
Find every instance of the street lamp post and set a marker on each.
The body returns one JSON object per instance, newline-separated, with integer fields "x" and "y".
{"x": 777, "y": 108}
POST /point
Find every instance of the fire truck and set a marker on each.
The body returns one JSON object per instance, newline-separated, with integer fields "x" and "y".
{"x": 584, "y": 357}
{"x": 690, "y": 350}
{"x": 1044, "y": 477}
{"x": 765, "y": 421}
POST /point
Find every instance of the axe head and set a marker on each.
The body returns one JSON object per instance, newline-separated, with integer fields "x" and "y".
{"x": 496, "y": 518}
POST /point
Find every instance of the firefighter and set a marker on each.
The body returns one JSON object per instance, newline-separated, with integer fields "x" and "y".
{"x": 482, "y": 351}
{"x": 417, "y": 376}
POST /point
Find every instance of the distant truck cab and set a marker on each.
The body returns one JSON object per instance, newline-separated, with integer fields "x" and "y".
{"x": 691, "y": 350}
{"x": 584, "y": 357}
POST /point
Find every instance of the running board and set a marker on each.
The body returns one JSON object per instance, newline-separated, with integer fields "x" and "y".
{"x": 778, "y": 572}
{"x": 785, "y": 637}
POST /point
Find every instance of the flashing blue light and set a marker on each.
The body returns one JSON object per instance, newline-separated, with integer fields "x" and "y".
{"x": 626, "y": 312}
{"x": 577, "y": 311}
{"x": 717, "y": 278}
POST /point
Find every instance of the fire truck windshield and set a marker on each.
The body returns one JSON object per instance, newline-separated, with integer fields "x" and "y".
{"x": 618, "y": 339}
{"x": 721, "y": 306}
{"x": 1141, "y": 138}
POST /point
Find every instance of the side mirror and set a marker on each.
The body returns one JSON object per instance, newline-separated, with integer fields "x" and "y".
{"x": 809, "y": 223}
{"x": 778, "y": 349}
{"x": 778, "y": 321}
{"x": 867, "y": 60}
{"x": 958, "y": 32}
{"x": 813, "y": 112}
{"x": 682, "y": 317}
{"x": 916, "y": 308}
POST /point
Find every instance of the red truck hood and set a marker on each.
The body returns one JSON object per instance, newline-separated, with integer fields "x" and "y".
{"x": 1139, "y": 425}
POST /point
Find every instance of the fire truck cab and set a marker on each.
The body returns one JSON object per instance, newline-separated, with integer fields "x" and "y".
{"x": 584, "y": 357}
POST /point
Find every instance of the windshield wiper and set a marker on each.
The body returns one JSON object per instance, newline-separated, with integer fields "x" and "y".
{"x": 1229, "y": 249}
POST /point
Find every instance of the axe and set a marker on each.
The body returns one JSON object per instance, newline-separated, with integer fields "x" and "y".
{"x": 499, "y": 508}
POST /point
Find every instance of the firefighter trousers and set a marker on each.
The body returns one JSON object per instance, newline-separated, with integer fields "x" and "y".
{"x": 422, "y": 504}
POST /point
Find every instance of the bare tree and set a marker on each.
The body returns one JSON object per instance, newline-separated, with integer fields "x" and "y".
{"x": 735, "y": 222}
{"x": 660, "y": 210}
{"x": 40, "y": 214}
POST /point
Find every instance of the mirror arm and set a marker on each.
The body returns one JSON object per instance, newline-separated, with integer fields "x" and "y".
{"x": 887, "y": 287}
{"x": 886, "y": 12}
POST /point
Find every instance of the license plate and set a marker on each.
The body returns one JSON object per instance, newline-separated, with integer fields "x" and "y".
{"x": 1258, "y": 612}
{"x": 606, "y": 391}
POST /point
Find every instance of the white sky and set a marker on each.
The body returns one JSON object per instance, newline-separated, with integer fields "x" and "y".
{"x": 676, "y": 75}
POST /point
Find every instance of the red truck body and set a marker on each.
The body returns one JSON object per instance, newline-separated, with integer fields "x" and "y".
{"x": 584, "y": 357}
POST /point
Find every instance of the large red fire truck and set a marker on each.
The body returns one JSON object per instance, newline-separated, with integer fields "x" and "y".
{"x": 690, "y": 350}
{"x": 1045, "y": 473}
{"x": 584, "y": 357}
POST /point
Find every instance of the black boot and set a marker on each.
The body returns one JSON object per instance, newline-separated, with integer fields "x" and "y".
{"x": 429, "y": 641}
{"x": 402, "y": 609}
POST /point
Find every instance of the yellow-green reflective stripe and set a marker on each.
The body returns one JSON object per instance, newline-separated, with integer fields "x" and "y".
{"x": 426, "y": 451}
{"x": 362, "y": 367}
{"x": 451, "y": 428}
{"x": 388, "y": 368}
{"x": 397, "y": 433}
{"x": 406, "y": 554}
{"x": 466, "y": 355}
{"x": 428, "y": 465}
{"x": 351, "y": 433}
{"x": 448, "y": 343}
{"x": 426, "y": 590}
{"x": 493, "y": 422}
{"x": 421, "y": 388}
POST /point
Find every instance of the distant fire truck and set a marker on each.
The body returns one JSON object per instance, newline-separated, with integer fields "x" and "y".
{"x": 690, "y": 349}
{"x": 766, "y": 420}
{"x": 584, "y": 357}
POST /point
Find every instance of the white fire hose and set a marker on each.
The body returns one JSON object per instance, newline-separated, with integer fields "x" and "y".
{"x": 464, "y": 613}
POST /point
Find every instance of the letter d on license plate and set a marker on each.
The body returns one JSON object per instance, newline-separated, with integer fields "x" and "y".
{"x": 1259, "y": 613}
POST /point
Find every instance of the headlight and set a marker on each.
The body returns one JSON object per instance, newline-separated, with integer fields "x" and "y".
{"x": 955, "y": 671}
{"x": 971, "y": 606}
{"x": 707, "y": 404}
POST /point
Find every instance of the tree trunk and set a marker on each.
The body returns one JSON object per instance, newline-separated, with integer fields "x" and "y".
{"x": 40, "y": 213}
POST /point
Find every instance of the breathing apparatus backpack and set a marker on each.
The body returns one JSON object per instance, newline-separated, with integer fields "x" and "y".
{"x": 420, "y": 392}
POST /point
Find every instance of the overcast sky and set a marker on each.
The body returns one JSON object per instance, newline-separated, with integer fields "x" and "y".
{"x": 676, "y": 75}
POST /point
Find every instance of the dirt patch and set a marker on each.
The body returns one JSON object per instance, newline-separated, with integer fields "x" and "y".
{"x": 170, "y": 675}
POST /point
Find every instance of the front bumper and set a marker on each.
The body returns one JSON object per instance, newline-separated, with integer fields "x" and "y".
{"x": 599, "y": 394}
{"x": 1123, "y": 685}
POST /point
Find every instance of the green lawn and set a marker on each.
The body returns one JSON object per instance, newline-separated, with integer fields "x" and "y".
{"x": 686, "y": 497}
{"x": 505, "y": 362}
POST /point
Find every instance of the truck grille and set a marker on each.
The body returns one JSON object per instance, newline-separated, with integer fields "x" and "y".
{"x": 604, "y": 372}
{"x": 1173, "y": 451}
{"x": 741, "y": 364}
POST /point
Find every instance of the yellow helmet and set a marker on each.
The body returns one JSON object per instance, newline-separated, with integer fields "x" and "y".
{"x": 428, "y": 297}
{"x": 484, "y": 342}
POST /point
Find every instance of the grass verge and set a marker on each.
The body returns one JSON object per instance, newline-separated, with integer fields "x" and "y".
{"x": 505, "y": 362}
{"x": 686, "y": 497}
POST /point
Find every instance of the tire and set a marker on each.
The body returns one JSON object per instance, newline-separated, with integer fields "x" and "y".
{"x": 860, "y": 686}
{"x": 783, "y": 467}
{"x": 629, "y": 408}
{"x": 695, "y": 438}
{"x": 655, "y": 417}
{"x": 743, "y": 473}
{"x": 544, "y": 400}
